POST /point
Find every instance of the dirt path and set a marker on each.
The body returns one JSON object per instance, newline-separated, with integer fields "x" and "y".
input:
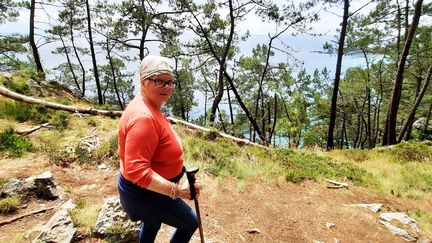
{"x": 238, "y": 211}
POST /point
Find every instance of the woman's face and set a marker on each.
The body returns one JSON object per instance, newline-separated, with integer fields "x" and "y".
{"x": 158, "y": 88}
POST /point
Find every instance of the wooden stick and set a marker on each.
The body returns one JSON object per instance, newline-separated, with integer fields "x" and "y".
{"x": 337, "y": 184}
{"x": 25, "y": 215}
{"x": 33, "y": 129}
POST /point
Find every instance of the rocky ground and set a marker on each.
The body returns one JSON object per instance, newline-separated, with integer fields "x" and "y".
{"x": 232, "y": 210}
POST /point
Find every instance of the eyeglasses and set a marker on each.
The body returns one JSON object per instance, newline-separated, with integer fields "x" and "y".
{"x": 162, "y": 83}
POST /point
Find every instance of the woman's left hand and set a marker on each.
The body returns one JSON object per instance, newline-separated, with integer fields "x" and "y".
{"x": 185, "y": 189}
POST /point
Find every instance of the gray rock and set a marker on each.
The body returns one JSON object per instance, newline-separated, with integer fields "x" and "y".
{"x": 330, "y": 225}
{"x": 42, "y": 186}
{"x": 398, "y": 231}
{"x": 401, "y": 217}
{"x": 112, "y": 214}
{"x": 60, "y": 227}
{"x": 408, "y": 230}
{"x": 16, "y": 188}
{"x": 374, "y": 207}
{"x": 34, "y": 87}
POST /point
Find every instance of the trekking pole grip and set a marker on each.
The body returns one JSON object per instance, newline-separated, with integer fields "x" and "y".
{"x": 190, "y": 174}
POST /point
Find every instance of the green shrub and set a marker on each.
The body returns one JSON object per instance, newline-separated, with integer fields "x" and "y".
{"x": 411, "y": 151}
{"x": 9, "y": 205}
{"x": 93, "y": 122}
{"x": 108, "y": 151}
{"x": 64, "y": 101}
{"x": 17, "y": 85}
{"x": 14, "y": 145}
{"x": 56, "y": 86}
{"x": 36, "y": 113}
{"x": 60, "y": 120}
{"x": 302, "y": 166}
{"x": 17, "y": 111}
{"x": 60, "y": 157}
{"x": 83, "y": 156}
{"x": 118, "y": 232}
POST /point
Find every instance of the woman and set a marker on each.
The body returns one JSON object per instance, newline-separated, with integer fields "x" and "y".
{"x": 151, "y": 163}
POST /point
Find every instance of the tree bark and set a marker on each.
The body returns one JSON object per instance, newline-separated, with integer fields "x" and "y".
{"x": 70, "y": 63}
{"x": 93, "y": 54}
{"x": 222, "y": 64}
{"x": 83, "y": 82}
{"x": 114, "y": 76}
{"x": 397, "y": 88}
{"x": 368, "y": 101}
{"x": 245, "y": 109}
{"x": 410, "y": 119}
{"x": 230, "y": 104}
{"x": 34, "y": 48}
{"x": 330, "y": 136}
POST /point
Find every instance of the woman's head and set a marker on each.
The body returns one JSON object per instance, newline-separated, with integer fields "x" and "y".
{"x": 157, "y": 79}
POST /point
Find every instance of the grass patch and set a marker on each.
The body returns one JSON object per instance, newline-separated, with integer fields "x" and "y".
{"x": 416, "y": 181}
{"x": 218, "y": 158}
{"x": 224, "y": 158}
{"x": 357, "y": 155}
{"x": 305, "y": 165}
{"x": 9, "y": 205}
{"x": 423, "y": 219}
{"x": 118, "y": 232}
{"x": 402, "y": 170}
{"x": 411, "y": 151}
{"x": 13, "y": 145}
{"x": 105, "y": 153}
{"x": 34, "y": 114}
{"x": 84, "y": 215}
{"x": 16, "y": 83}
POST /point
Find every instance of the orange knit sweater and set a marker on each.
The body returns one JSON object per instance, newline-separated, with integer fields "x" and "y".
{"x": 147, "y": 144}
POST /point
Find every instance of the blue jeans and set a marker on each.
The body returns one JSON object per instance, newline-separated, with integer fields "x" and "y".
{"x": 154, "y": 209}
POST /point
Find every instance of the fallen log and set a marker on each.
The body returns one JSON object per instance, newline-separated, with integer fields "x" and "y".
{"x": 30, "y": 100}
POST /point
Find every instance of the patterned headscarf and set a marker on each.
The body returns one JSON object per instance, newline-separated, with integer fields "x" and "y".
{"x": 154, "y": 65}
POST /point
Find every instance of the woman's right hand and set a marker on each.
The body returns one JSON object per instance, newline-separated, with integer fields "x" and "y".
{"x": 184, "y": 189}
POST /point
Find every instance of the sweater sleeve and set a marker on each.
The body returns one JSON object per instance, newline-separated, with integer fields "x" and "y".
{"x": 141, "y": 142}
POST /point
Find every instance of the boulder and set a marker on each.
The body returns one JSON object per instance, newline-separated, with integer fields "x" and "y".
{"x": 42, "y": 186}
{"x": 112, "y": 219}
{"x": 60, "y": 227}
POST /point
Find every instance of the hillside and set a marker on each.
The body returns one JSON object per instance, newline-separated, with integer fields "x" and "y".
{"x": 250, "y": 194}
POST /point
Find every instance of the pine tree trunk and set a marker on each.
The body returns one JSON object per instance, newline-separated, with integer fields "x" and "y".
{"x": 83, "y": 81}
{"x": 70, "y": 63}
{"x": 34, "y": 48}
{"x": 410, "y": 119}
{"x": 330, "y": 136}
{"x": 93, "y": 54}
{"x": 397, "y": 88}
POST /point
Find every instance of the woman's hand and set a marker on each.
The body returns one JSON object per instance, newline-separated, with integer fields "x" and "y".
{"x": 184, "y": 190}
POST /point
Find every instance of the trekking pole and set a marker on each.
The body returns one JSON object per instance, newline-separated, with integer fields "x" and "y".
{"x": 190, "y": 174}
